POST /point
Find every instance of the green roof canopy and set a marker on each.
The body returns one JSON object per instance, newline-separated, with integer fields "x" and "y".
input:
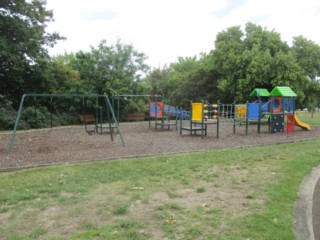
{"x": 282, "y": 92}
{"x": 260, "y": 92}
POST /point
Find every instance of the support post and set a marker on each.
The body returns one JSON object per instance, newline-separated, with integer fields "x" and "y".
{"x": 218, "y": 119}
{"x": 259, "y": 117}
{"x": 233, "y": 109}
{"x": 247, "y": 119}
{"x": 10, "y": 146}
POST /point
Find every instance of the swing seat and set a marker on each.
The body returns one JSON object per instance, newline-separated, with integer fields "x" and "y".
{"x": 106, "y": 127}
{"x": 88, "y": 119}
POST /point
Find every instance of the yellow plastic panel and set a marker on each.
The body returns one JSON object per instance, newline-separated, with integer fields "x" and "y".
{"x": 197, "y": 111}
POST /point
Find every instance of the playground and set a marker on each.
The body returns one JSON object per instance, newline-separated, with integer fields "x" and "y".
{"x": 163, "y": 135}
{"x": 73, "y": 144}
{"x": 169, "y": 130}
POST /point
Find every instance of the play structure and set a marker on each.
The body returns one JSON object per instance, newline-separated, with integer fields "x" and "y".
{"x": 163, "y": 115}
{"x": 276, "y": 109}
{"x": 202, "y": 115}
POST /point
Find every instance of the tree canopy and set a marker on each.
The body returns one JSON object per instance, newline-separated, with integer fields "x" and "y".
{"x": 114, "y": 69}
{"x": 240, "y": 60}
{"x": 23, "y": 46}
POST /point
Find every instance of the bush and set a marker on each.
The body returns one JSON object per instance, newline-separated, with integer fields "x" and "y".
{"x": 36, "y": 117}
{"x": 7, "y": 114}
{"x": 39, "y": 117}
{"x": 64, "y": 119}
{"x": 135, "y": 106}
{"x": 7, "y": 118}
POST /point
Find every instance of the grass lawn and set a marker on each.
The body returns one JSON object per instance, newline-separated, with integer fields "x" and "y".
{"x": 246, "y": 193}
{"x": 308, "y": 117}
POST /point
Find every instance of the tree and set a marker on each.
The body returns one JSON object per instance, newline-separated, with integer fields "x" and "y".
{"x": 188, "y": 79}
{"x": 312, "y": 93}
{"x": 227, "y": 61}
{"x": 307, "y": 54}
{"x": 255, "y": 58}
{"x": 156, "y": 79}
{"x": 115, "y": 69}
{"x": 257, "y": 72}
{"x": 265, "y": 40}
{"x": 240, "y": 62}
{"x": 118, "y": 67}
{"x": 23, "y": 42}
{"x": 64, "y": 79}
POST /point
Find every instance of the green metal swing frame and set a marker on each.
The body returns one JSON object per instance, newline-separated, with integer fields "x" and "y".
{"x": 105, "y": 97}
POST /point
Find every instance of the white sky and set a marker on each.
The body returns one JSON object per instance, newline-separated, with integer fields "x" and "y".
{"x": 167, "y": 29}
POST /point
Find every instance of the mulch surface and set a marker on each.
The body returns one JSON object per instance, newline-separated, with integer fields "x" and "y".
{"x": 73, "y": 144}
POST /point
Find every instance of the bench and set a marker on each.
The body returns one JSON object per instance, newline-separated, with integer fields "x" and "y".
{"x": 87, "y": 118}
{"x": 134, "y": 117}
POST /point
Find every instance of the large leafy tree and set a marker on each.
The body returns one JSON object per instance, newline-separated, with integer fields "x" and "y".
{"x": 228, "y": 62}
{"x": 114, "y": 69}
{"x": 240, "y": 62}
{"x": 118, "y": 67}
{"x": 23, "y": 46}
{"x": 255, "y": 58}
{"x": 187, "y": 79}
{"x": 307, "y": 54}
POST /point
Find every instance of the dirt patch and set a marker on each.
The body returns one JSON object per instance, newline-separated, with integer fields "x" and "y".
{"x": 65, "y": 145}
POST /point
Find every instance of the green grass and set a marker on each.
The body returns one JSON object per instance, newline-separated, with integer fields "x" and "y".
{"x": 308, "y": 117}
{"x": 246, "y": 193}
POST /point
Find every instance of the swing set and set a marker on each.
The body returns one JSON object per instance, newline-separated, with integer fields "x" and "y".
{"x": 96, "y": 119}
{"x": 85, "y": 118}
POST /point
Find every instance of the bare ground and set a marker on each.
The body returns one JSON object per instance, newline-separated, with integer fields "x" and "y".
{"x": 73, "y": 144}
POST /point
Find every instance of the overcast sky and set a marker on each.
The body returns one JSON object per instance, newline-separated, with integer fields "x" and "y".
{"x": 166, "y": 29}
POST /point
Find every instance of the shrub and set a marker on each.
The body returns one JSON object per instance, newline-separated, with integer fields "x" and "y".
{"x": 7, "y": 114}
{"x": 135, "y": 106}
{"x": 36, "y": 117}
{"x": 7, "y": 118}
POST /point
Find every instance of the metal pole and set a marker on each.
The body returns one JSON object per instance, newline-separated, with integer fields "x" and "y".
{"x": 51, "y": 118}
{"x": 191, "y": 118}
{"x": 247, "y": 119}
{"x": 259, "y": 117}
{"x": 118, "y": 109}
{"x": 109, "y": 121}
{"x": 10, "y": 146}
{"x": 35, "y": 113}
{"x": 218, "y": 119}
{"x": 114, "y": 118}
{"x": 202, "y": 117}
{"x": 233, "y": 109}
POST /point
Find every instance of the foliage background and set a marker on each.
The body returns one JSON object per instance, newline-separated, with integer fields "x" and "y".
{"x": 240, "y": 60}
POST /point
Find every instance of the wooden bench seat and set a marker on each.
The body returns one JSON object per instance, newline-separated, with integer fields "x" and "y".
{"x": 87, "y": 118}
{"x": 134, "y": 117}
